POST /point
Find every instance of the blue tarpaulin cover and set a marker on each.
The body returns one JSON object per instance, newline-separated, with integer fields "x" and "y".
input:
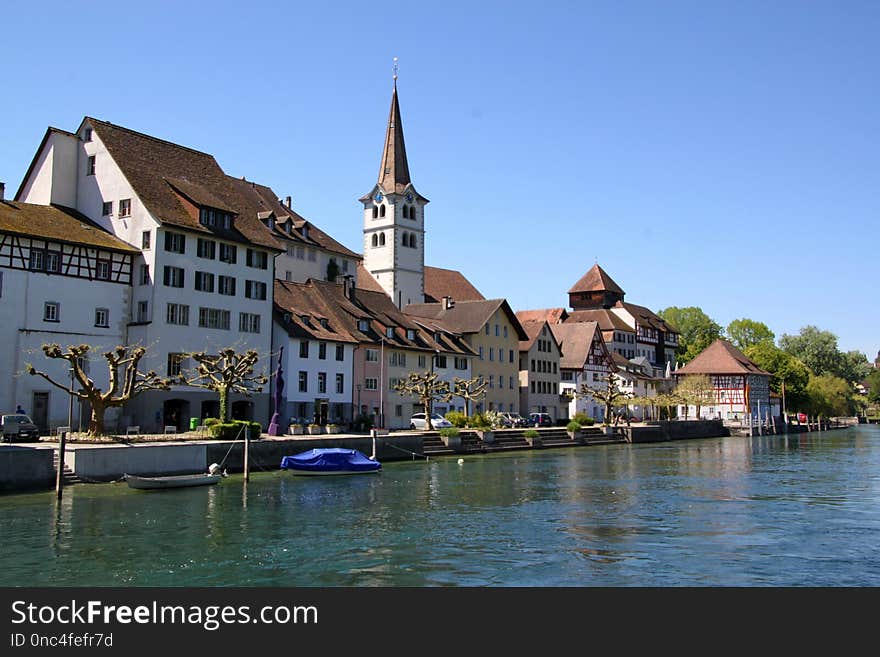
{"x": 330, "y": 459}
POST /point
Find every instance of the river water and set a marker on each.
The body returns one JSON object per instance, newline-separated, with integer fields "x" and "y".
{"x": 798, "y": 510}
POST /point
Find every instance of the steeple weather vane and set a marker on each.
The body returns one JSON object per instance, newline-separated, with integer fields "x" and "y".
{"x": 394, "y": 69}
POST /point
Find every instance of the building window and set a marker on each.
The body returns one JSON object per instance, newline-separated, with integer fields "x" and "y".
{"x": 371, "y": 383}
{"x": 381, "y": 239}
{"x": 389, "y": 332}
{"x": 491, "y": 380}
{"x": 497, "y": 333}
{"x": 340, "y": 384}
{"x": 303, "y": 381}
{"x": 87, "y": 134}
{"x": 322, "y": 382}
{"x": 215, "y": 318}
{"x": 90, "y": 167}
{"x": 53, "y": 263}
{"x": 38, "y": 260}
{"x": 143, "y": 314}
{"x": 248, "y": 323}
{"x": 175, "y": 242}
{"x": 423, "y": 361}
{"x": 173, "y": 276}
{"x": 145, "y": 240}
{"x": 204, "y": 281}
{"x": 226, "y": 285}
{"x": 145, "y": 275}
{"x": 288, "y": 275}
{"x": 255, "y": 290}
{"x": 174, "y": 365}
{"x": 510, "y": 355}
{"x": 102, "y": 270}
{"x": 228, "y": 253}
{"x": 372, "y": 356}
{"x": 510, "y": 382}
{"x": 304, "y": 349}
{"x": 102, "y": 317}
{"x": 301, "y": 252}
{"x": 205, "y": 248}
{"x": 125, "y": 207}
{"x": 374, "y": 241}
{"x": 107, "y": 209}
{"x": 410, "y": 334}
{"x": 440, "y": 361}
{"x": 322, "y": 351}
{"x": 363, "y": 325}
{"x": 177, "y": 313}
{"x": 481, "y": 353}
{"x": 491, "y": 353}
{"x": 340, "y": 352}
{"x": 51, "y": 311}
{"x": 257, "y": 259}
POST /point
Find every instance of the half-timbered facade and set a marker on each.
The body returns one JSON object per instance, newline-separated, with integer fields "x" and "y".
{"x": 65, "y": 280}
{"x": 741, "y": 388}
{"x": 586, "y": 361}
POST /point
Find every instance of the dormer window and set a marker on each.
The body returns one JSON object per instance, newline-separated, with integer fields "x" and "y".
{"x": 363, "y": 325}
{"x": 306, "y": 320}
{"x": 389, "y": 332}
{"x": 305, "y": 232}
{"x": 287, "y": 318}
{"x": 87, "y": 134}
{"x": 410, "y": 334}
{"x": 324, "y": 322}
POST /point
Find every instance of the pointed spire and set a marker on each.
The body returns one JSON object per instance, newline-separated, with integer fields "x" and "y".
{"x": 394, "y": 169}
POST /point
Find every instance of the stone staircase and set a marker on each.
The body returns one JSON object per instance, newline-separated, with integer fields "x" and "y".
{"x": 511, "y": 439}
{"x": 68, "y": 476}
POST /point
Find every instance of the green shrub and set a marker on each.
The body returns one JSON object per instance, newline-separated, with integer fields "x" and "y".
{"x": 479, "y": 421}
{"x": 457, "y": 419}
{"x": 210, "y": 421}
{"x": 573, "y": 426}
{"x": 582, "y": 418}
{"x": 530, "y": 433}
{"x": 449, "y": 432}
{"x": 233, "y": 430}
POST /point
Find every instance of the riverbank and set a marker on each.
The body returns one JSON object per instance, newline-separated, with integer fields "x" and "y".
{"x": 34, "y": 466}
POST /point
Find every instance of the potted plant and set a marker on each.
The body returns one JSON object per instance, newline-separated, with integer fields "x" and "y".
{"x": 532, "y": 437}
{"x": 451, "y": 438}
{"x": 332, "y": 428}
{"x": 295, "y": 429}
{"x": 574, "y": 430}
{"x": 315, "y": 429}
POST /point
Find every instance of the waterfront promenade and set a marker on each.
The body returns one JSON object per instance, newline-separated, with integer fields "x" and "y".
{"x": 34, "y": 466}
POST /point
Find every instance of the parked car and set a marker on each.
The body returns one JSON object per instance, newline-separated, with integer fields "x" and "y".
{"x": 515, "y": 420}
{"x": 19, "y": 427}
{"x": 540, "y": 420}
{"x": 417, "y": 421}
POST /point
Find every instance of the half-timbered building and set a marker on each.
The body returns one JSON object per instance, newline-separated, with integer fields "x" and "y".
{"x": 585, "y": 360}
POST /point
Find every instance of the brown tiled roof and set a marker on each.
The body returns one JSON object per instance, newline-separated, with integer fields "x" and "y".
{"x": 596, "y": 280}
{"x": 58, "y": 223}
{"x": 552, "y": 315}
{"x": 576, "y": 340}
{"x": 365, "y": 280}
{"x": 721, "y": 357}
{"x": 466, "y": 316}
{"x": 266, "y": 199}
{"x": 150, "y": 165}
{"x": 324, "y": 299}
{"x": 608, "y": 321}
{"x": 646, "y": 317}
{"x": 441, "y": 283}
{"x": 532, "y": 327}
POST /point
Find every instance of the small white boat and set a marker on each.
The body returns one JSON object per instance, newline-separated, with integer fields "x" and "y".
{"x": 171, "y": 481}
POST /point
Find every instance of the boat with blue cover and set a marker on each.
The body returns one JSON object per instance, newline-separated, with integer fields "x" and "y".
{"x": 330, "y": 461}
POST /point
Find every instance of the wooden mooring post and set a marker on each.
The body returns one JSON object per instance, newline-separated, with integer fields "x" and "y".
{"x": 59, "y": 475}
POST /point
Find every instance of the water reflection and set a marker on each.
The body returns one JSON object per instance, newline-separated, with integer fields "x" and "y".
{"x": 771, "y": 510}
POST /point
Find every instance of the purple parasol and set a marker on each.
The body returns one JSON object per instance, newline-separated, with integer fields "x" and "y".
{"x": 277, "y": 397}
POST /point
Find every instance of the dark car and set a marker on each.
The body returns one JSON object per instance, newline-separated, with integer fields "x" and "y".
{"x": 19, "y": 427}
{"x": 540, "y": 420}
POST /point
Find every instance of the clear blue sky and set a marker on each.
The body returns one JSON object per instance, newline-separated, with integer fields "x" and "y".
{"x": 715, "y": 154}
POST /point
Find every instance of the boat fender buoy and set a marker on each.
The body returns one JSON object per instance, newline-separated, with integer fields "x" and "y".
{"x": 214, "y": 468}
{"x": 460, "y": 461}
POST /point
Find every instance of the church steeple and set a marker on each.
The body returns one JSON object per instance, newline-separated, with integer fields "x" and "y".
{"x": 394, "y": 169}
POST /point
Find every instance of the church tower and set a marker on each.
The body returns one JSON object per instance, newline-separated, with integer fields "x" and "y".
{"x": 394, "y": 220}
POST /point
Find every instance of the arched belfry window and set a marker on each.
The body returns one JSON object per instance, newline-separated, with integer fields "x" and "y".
{"x": 382, "y": 210}
{"x": 412, "y": 240}
{"x": 375, "y": 211}
{"x": 406, "y": 212}
{"x": 406, "y": 239}
{"x": 381, "y": 239}
{"x": 375, "y": 240}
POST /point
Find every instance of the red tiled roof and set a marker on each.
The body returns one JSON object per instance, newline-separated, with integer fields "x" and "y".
{"x": 721, "y": 357}
{"x": 608, "y": 321}
{"x": 576, "y": 340}
{"x": 441, "y": 283}
{"x": 466, "y": 316}
{"x": 596, "y": 280}
{"x": 552, "y": 315}
{"x": 365, "y": 280}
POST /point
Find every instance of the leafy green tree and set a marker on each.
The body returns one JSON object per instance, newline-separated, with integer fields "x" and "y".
{"x": 830, "y": 396}
{"x": 695, "y": 390}
{"x": 873, "y": 380}
{"x": 855, "y": 367}
{"x": 744, "y": 333}
{"x": 696, "y": 330}
{"x": 816, "y": 349}
{"x": 785, "y": 369}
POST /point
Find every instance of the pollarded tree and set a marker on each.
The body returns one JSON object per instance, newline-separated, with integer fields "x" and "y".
{"x": 126, "y": 382}
{"x": 695, "y": 390}
{"x": 610, "y": 394}
{"x": 471, "y": 390}
{"x": 228, "y": 371}
{"x": 426, "y": 387}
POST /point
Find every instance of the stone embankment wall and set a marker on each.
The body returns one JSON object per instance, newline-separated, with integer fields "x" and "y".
{"x": 675, "y": 430}
{"x": 26, "y": 468}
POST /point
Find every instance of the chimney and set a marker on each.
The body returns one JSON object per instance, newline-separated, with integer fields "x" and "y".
{"x": 2, "y": 191}
{"x": 348, "y": 286}
{"x": 287, "y": 202}
{"x": 448, "y": 303}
